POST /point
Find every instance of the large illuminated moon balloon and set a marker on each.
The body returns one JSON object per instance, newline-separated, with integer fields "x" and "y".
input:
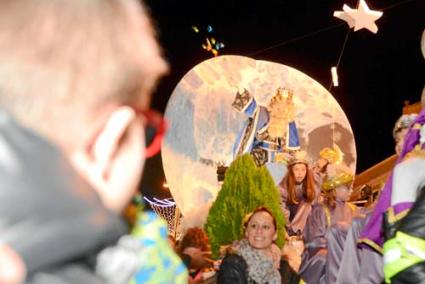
{"x": 204, "y": 126}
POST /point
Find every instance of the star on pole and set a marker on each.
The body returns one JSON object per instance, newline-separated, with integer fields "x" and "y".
{"x": 360, "y": 18}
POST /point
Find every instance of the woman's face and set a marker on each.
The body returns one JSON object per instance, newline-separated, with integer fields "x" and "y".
{"x": 261, "y": 231}
{"x": 299, "y": 171}
{"x": 343, "y": 193}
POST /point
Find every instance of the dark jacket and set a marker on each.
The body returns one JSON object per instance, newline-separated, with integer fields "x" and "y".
{"x": 49, "y": 215}
{"x": 234, "y": 270}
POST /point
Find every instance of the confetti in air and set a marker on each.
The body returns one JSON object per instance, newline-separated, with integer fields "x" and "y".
{"x": 195, "y": 29}
{"x": 210, "y": 44}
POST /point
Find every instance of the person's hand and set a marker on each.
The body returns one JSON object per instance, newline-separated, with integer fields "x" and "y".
{"x": 408, "y": 177}
{"x": 320, "y": 251}
{"x": 198, "y": 257}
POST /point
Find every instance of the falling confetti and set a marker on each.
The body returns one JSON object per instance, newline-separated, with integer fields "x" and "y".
{"x": 195, "y": 29}
{"x": 210, "y": 44}
{"x": 219, "y": 45}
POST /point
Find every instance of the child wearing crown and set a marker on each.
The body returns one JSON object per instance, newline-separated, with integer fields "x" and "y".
{"x": 334, "y": 214}
{"x": 299, "y": 190}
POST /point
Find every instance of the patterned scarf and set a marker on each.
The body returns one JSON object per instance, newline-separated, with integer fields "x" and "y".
{"x": 261, "y": 268}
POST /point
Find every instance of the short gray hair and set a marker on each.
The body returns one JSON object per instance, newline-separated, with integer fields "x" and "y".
{"x": 58, "y": 54}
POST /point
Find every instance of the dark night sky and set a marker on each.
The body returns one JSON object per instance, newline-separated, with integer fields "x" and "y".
{"x": 377, "y": 73}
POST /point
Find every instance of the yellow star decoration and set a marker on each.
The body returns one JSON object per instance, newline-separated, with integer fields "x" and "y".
{"x": 360, "y": 18}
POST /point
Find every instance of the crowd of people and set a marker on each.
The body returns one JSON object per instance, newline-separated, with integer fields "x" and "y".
{"x": 76, "y": 79}
{"x": 326, "y": 228}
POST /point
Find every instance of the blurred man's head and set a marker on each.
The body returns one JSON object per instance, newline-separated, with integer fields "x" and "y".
{"x": 74, "y": 71}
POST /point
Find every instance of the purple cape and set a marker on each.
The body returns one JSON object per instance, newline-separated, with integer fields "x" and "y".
{"x": 372, "y": 234}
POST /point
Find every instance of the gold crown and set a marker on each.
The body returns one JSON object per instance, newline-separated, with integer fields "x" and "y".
{"x": 299, "y": 157}
{"x": 337, "y": 175}
{"x": 282, "y": 93}
{"x": 343, "y": 178}
{"x": 333, "y": 155}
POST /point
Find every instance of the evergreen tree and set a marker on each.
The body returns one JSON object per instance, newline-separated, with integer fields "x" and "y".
{"x": 245, "y": 188}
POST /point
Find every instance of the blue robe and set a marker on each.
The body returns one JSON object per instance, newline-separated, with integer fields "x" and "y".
{"x": 253, "y": 137}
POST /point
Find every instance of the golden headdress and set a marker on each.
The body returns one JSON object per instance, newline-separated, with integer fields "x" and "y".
{"x": 332, "y": 155}
{"x": 299, "y": 157}
{"x": 403, "y": 122}
{"x": 337, "y": 175}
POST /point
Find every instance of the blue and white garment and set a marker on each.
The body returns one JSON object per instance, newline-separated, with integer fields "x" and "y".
{"x": 254, "y": 137}
{"x": 145, "y": 256}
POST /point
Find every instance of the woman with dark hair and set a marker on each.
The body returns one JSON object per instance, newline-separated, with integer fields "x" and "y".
{"x": 195, "y": 251}
{"x": 256, "y": 259}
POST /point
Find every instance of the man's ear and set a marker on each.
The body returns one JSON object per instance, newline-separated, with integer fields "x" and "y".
{"x": 275, "y": 236}
{"x": 94, "y": 161}
{"x": 107, "y": 141}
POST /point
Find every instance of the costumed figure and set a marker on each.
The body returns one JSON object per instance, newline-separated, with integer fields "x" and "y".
{"x": 327, "y": 156}
{"x": 404, "y": 250}
{"x": 256, "y": 259}
{"x": 269, "y": 131}
{"x": 326, "y": 228}
{"x": 373, "y": 234}
{"x": 359, "y": 264}
{"x": 298, "y": 191}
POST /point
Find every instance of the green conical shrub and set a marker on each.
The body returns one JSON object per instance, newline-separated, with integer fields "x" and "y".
{"x": 245, "y": 188}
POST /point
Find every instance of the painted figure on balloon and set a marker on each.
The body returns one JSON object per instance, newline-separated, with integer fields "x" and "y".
{"x": 270, "y": 133}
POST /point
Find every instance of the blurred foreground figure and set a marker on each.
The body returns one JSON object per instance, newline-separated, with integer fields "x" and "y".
{"x": 404, "y": 249}
{"x": 75, "y": 78}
